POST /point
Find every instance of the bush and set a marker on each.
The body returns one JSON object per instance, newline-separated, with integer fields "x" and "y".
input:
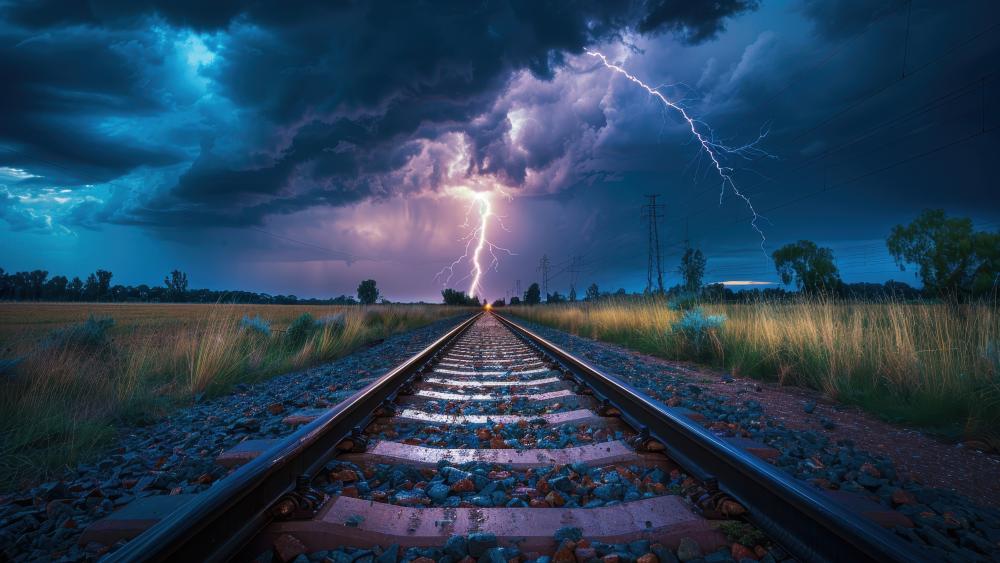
{"x": 256, "y": 324}
{"x": 89, "y": 334}
{"x": 334, "y": 322}
{"x": 696, "y": 329}
{"x": 684, "y": 302}
{"x": 301, "y": 329}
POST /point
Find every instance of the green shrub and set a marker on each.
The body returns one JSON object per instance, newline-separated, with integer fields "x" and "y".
{"x": 301, "y": 329}
{"x": 89, "y": 334}
{"x": 335, "y": 322}
{"x": 683, "y": 302}
{"x": 256, "y": 324}
{"x": 696, "y": 328}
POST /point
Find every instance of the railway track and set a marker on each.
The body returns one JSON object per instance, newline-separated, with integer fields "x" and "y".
{"x": 497, "y": 437}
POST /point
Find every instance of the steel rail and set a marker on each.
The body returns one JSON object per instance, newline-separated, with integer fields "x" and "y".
{"x": 214, "y": 525}
{"x": 809, "y": 526}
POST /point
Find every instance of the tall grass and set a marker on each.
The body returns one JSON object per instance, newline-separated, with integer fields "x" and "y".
{"x": 926, "y": 364}
{"x": 76, "y": 382}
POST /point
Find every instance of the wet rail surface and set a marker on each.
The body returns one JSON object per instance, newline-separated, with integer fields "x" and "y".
{"x": 495, "y": 435}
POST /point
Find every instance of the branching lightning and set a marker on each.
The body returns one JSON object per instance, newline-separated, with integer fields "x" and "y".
{"x": 476, "y": 241}
{"x": 709, "y": 145}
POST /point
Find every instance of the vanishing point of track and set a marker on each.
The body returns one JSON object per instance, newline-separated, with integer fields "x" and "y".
{"x": 526, "y": 405}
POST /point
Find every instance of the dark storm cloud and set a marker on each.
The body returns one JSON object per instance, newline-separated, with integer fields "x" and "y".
{"x": 54, "y": 87}
{"x": 843, "y": 18}
{"x": 328, "y": 97}
{"x": 692, "y": 21}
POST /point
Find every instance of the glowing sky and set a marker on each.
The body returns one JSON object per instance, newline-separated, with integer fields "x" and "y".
{"x": 300, "y": 151}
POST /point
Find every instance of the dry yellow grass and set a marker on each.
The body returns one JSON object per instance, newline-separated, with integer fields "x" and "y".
{"x": 66, "y": 397}
{"x": 926, "y": 364}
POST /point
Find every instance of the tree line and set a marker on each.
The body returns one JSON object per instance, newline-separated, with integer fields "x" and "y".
{"x": 952, "y": 260}
{"x": 36, "y": 285}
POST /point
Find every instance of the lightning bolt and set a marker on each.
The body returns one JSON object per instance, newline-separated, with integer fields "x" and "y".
{"x": 709, "y": 145}
{"x": 482, "y": 205}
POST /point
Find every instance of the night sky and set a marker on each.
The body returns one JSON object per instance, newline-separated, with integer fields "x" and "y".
{"x": 300, "y": 147}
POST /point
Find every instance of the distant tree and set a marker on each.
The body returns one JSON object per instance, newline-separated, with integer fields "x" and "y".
{"x": 367, "y": 292}
{"x": 36, "y": 284}
{"x": 555, "y": 297}
{"x": 952, "y": 259}
{"x": 515, "y": 300}
{"x": 55, "y": 288}
{"x": 621, "y": 292}
{"x": 177, "y": 285}
{"x": 456, "y": 297}
{"x": 593, "y": 292}
{"x": 692, "y": 269}
{"x": 90, "y": 288}
{"x": 809, "y": 265}
{"x": 572, "y": 294}
{"x": 498, "y": 303}
{"x": 74, "y": 289}
{"x": 533, "y": 296}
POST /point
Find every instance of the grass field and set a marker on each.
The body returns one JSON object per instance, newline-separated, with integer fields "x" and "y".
{"x": 930, "y": 365}
{"x": 76, "y": 375}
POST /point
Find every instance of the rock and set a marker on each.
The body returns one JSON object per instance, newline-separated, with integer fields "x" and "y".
{"x": 456, "y": 547}
{"x": 463, "y": 486}
{"x": 608, "y": 491}
{"x": 287, "y": 547}
{"x": 611, "y": 558}
{"x": 345, "y": 475}
{"x": 456, "y": 475}
{"x": 555, "y": 499}
{"x": 568, "y": 533}
{"x": 867, "y": 481}
{"x": 438, "y": 492}
{"x": 809, "y": 407}
{"x": 688, "y": 549}
{"x": 493, "y": 555}
{"x": 565, "y": 553}
{"x": 739, "y": 552}
{"x": 901, "y": 497}
{"x": 583, "y": 554}
{"x": 561, "y": 483}
{"x": 663, "y": 554}
{"x": 389, "y": 555}
{"x": 732, "y": 508}
{"x": 639, "y": 547}
{"x": 479, "y": 542}
{"x": 276, "y": 408}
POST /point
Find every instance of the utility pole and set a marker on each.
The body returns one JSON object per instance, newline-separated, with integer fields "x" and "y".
{"x": 543, "y": 269}
{"x": 651, "y": 211}
{"x": 517, "y": 290}
{"x": 575, "y": 267}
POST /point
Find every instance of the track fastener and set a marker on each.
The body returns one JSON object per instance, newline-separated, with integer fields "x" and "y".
{"x": 355, "y": 443}
{"x": 301, "y": 503}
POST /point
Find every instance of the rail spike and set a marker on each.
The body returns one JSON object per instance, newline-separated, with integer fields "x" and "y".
{"x": 607, "y": 409}
{"x": 301, "y": 503}
{"x": 356, "y": 443}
